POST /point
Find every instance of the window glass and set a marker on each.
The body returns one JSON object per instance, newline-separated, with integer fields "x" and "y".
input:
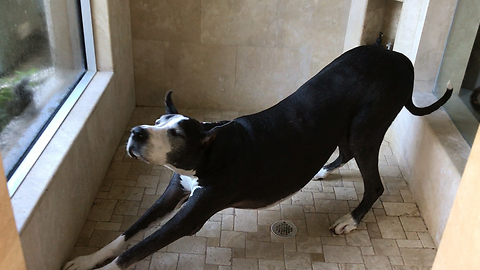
{"x": 461, "y": 64}
{"x": 41, "y": 60}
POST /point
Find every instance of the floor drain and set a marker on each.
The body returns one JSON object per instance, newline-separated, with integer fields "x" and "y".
{"x": 284, "y": 228}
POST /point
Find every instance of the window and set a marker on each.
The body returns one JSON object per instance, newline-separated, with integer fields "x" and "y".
{"x": 461, "y": 64}
{"x": 46, "y": 60}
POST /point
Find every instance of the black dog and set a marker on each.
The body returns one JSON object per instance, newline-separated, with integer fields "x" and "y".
{"x": 257, "y": 160}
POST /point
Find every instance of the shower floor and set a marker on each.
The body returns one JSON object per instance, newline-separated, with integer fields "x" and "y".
{"x": 392, "y": 235}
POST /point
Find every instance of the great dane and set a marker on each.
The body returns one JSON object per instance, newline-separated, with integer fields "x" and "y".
{"x": 257, "y": 160}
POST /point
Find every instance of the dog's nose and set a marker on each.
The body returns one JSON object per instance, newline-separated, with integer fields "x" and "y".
{"x": 139, "y": 133}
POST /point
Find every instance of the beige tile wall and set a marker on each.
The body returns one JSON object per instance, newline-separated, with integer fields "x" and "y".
{"x": 232, "y": 55}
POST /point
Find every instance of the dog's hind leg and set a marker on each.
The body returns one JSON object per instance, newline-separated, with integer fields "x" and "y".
{"x": 365, "y": 138}
{"x": 173, "y": 197}
{"x": 366, "y": 135}
{"x": 345, "y": 155}
{"x": 367, "y": 160}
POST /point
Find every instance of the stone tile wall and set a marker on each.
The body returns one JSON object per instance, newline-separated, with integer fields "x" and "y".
{"x": 232, "y": 55}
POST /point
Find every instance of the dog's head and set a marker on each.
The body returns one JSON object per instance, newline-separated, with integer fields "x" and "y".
{"x": 175, "y": 140}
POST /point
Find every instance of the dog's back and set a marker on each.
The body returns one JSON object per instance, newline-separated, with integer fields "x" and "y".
{"x": 364, "y": 77}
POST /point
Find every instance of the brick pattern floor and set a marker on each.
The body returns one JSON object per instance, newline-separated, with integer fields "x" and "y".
{"x": 392, "y": 236}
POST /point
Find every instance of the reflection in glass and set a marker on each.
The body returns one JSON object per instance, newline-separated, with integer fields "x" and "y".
{"x": 41, "y": 59}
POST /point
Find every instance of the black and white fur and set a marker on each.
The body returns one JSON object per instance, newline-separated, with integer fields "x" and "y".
{"x": 257, "y": 160}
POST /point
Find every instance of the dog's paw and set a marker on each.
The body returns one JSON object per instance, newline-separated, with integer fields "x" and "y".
{"x": 81, "y": 263}
{"x": 344, "y": 225}
{"x": 321, "y": 174}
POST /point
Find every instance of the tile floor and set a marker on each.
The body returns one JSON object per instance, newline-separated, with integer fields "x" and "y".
{"x": 392, "y": 236}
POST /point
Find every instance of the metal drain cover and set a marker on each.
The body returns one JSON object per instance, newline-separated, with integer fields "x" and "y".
{"x": 284, "y": 228}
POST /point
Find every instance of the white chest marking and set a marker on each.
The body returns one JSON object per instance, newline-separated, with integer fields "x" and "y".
{"x": 189, "y": 183}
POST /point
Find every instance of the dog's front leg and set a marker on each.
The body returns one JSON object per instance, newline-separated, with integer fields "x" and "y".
{"x": 173, "y": 196}
{"x": 187, "y": 221}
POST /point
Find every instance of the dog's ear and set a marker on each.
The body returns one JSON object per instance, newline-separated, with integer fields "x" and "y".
{"x": 169, "y": 107}
{"x": 209, "y": 136}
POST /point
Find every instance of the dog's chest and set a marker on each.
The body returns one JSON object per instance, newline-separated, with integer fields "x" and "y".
{"x": 189, "y": 183}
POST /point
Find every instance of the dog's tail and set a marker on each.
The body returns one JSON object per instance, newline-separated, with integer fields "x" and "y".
{"x": 429, "y": 109}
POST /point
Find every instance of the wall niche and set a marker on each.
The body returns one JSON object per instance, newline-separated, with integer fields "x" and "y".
{"x": 381, "y": 16}
{"x": 368, "y": 18}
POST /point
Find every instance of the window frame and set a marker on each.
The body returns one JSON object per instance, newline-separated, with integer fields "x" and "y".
{"x": 91, "y": 69}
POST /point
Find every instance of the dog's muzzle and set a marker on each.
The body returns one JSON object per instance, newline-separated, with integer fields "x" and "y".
{"x": 138, "y": 136}
{"x": 130, "y": 153}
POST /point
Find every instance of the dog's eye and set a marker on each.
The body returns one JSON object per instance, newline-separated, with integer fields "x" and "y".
{"x": 175, "y": 133}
